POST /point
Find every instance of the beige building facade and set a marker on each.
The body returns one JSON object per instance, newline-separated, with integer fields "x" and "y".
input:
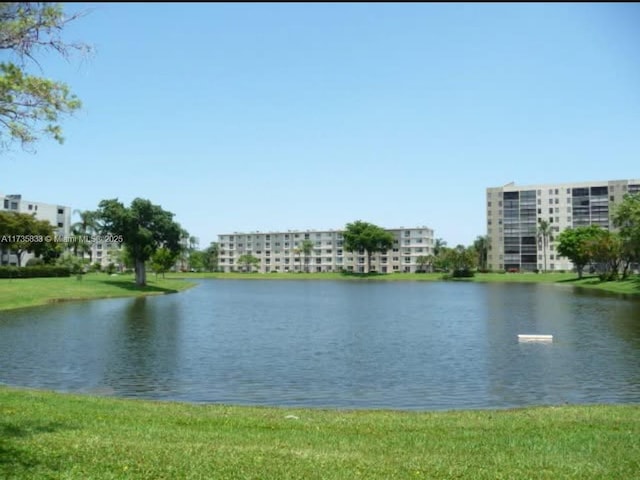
{"x": 59, "y": 216}
{"x": 280, "y": 251}
{"x": 514, "y": 213}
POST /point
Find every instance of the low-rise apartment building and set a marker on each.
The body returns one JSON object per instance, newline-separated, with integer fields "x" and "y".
{"x": 59, "y": 216}
{"x": 515, "y": 212}
{"x": 281, "y": 251}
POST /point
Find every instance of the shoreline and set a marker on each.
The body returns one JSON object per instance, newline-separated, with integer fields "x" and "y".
{"x": 19, "y": 293}
{"x": 32, "y": 292}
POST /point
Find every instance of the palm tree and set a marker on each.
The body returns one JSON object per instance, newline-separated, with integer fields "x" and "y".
{"x": 87, "y": 226}
{"x": 306, "y": 248}
{"x": 438, "y": 246}
{"x": 544, "y": 232}
{"x": 297, "y": 251}
{"x": 481, "y": 247}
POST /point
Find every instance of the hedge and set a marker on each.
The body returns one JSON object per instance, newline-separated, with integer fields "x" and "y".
{"x": 35, "y": 271}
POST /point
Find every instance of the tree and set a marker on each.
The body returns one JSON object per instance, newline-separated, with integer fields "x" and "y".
{"x": 22, "y": 233}
{"x": 605, "y": 250}
{"x": 144, "y": 228}
{"x": 461, "y": 260}
{"x": 162, "y": 260}
{"x": 184, "y": 249}
{"x": 248, "y": 261}
{"x": 365, "y": 236}
{"x": 573, "y": 244}
{"x": 438, "y": 246}
{"x": 424, "y": 261}
{"x": 481, "y": 247}
{"x": 31, "y": 106}
{"x": 297, "y": 251}
{"x": 544, "y": 233}
{"x": 626, "y": 217}
{"x": 306, "y": 247}
{"x": 197, "y": 260}
{"x": 211, "y": 255}
{"x": 87, "y": 226}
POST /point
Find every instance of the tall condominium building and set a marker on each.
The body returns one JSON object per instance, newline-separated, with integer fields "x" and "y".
{"x": 280, "y": 251}
{"x": 514, "y": 213}
{"x": 58, "y": 216}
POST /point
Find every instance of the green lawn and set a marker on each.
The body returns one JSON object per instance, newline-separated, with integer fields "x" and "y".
{"x": 46, "y": 435}
{"x": 27, "y": 292}
{"x": 629, "y": 286}
{"x": 18, "y": 293}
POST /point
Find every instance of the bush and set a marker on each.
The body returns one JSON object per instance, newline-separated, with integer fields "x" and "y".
{"x": 35, "y": 271}
{"x": 462, "y": 273}
{"x": 32, "y": 262}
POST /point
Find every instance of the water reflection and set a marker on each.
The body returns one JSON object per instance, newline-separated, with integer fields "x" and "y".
{"x": 340, "y": 344}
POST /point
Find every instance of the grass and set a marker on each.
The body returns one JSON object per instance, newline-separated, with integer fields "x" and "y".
{"x": 51, "y": 435}
{"x": 630, "y": 286}
{"x": 19, "y": 293}
{"x": 28, "y": 292}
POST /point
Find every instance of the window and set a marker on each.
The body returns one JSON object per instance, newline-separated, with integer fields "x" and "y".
{"x": 60, "y": 211}
{"x": 60, "y": 225}
{"x": 557, "y": 201}
{"x": 407, "y": 259}
{"x": 30, "y": 207}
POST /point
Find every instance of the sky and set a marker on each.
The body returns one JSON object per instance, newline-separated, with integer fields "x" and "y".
{"x": 273, "y": 117}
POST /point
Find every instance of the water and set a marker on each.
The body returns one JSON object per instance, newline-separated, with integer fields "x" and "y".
{"x": 400, "y": 345}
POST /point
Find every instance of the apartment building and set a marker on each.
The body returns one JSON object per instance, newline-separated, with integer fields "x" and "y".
{"x": 280, "y": 251}
{"x": 59, "y": 216}
{"x": 514, "y": 213}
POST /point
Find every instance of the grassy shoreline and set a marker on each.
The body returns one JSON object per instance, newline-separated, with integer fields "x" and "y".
{"x": 53, "y": 435}
{"x": 30, "y": 292}
{"x": 630, "y": 286}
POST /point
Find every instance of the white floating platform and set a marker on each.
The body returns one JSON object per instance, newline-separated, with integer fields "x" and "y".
{"x": 535, "y": 338}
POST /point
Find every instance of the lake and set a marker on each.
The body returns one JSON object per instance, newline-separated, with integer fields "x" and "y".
{"x": 337, "y": 344}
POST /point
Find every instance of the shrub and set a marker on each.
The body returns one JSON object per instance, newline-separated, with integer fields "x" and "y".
{"x": 462, "y": 273}
{"x": 32, "y": 262}
{"x": 35, "y": 271}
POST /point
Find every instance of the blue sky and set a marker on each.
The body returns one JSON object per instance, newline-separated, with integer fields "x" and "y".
{"x": 245, "y": 117}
